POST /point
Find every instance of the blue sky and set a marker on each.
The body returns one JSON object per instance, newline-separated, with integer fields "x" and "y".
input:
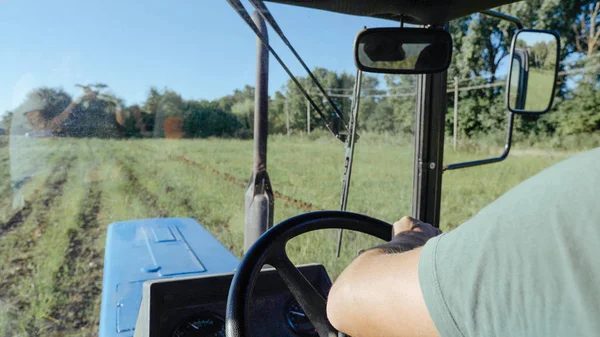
{"x": 201, "y": 49}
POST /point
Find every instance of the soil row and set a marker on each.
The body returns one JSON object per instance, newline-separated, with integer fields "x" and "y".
{"x": 300, "y": 204}
{"x": 80, "y": 277}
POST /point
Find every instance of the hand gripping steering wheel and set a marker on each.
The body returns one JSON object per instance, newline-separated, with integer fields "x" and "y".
{"x": 270, "y": 249}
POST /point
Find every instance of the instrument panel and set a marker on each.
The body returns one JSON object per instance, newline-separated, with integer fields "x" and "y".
{"x": 200, "y": 325}
{"x": 195, "y": 307}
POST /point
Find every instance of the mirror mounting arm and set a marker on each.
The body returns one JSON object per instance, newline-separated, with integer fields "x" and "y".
{"x": 514, "y": 20}
{"x": 509, "y": 130}
{"x": 507, "y": 146}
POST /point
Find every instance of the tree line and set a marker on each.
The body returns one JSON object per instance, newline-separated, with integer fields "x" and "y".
{"x": 481, "y": 44}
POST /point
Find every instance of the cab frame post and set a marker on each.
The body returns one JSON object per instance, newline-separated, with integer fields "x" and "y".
{"x": 259, "y": 195}
{"x": 429, "y": 146}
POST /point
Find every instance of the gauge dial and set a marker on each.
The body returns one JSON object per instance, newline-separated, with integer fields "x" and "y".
{"x": 202, "y": 325}
{"x": 298, "y": 320}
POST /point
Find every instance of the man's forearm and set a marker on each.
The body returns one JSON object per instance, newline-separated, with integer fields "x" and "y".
{"x": 379, "y": 295}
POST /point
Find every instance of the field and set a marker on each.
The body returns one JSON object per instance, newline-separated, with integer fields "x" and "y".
{"x": 539, "y": 89}
{"x": 65, "y": 192}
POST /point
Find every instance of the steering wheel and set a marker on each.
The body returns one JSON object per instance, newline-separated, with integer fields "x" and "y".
{"x": 270, "y": 249}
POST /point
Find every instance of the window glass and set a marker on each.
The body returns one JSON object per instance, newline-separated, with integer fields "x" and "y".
{"x": 126, "y": 111}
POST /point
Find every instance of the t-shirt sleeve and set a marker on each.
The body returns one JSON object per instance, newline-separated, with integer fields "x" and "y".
{"x": 526, "y": 265}
{"x": 434, "y": 299}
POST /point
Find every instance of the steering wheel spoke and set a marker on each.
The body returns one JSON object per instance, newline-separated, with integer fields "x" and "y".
{"x": 309, "y": 298}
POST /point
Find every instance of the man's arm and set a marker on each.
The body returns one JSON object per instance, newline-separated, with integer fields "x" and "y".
{"x": 379, "y": 295}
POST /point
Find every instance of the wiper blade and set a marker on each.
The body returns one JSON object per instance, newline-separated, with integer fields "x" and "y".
{"x": 349, "y": 144}
{"x": 243, "y": 13}
{"x": 266, "y": 14}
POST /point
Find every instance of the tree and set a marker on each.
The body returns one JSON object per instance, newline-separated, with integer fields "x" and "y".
{"x": 540, "y": 54}
{"x": 206, "y": 119}
{"x": 95, "y": 115}
{"x": 227, "y": 102}
{"x": 7, "y": 121}
{"x": 369, "y": 98}
{"x": 244, "y": 110}
{"x": 481, "y": 44}
{"x": 578, "y": 115}
{"x": 277, "y": 114}
{"x": 53, "y": 100}
{"x": 240, "y": 104}
{"x": 162, "y": 105}
{"x": 135, "y": 124}
{"x": 382, "y": 118}
{"x": 44, "y": 109}
{"x": 571, "y": 19}
{"x": 339, "y": 87}
{"x": 586, "y": 29}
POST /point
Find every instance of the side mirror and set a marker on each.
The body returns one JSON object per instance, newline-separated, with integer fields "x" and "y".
{"x": 533, "y": 71}
{"x": 403, "y": 50}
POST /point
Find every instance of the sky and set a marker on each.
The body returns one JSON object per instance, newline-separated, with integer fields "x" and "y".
{"x": 199, "y": 48}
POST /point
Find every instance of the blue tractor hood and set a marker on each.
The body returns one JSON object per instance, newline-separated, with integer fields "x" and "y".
{"x": 142, "y": 250}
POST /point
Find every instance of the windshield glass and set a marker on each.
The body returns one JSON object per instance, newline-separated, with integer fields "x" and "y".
{"x": 116, "y": 112}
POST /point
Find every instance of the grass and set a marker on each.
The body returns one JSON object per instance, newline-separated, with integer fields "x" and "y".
{"x": 539, "y": 89}
{"x": 51, "y": 245}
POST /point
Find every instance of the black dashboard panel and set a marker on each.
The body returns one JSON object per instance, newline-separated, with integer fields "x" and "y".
{"x": 181, "y": 307}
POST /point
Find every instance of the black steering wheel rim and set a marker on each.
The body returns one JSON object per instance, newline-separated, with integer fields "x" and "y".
{"x": 270, "y": 248}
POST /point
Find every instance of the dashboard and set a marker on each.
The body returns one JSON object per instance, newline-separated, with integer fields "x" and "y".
{"x": 195, "y": 306}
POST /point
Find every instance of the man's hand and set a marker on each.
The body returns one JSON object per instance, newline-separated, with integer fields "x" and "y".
{"x": 408, "y": 223}
{"x": 379, "y": 294}
{"x": 408, "y": 234}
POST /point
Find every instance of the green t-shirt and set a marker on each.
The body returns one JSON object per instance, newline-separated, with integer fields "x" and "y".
{"x": 526, "y": 265}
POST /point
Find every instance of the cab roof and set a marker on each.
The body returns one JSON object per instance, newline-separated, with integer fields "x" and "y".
{"x": 425, "y": 12}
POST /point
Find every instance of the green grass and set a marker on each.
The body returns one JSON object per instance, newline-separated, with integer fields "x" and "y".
{"x": 51, "y": 249}
{"x": 539, "y": 89}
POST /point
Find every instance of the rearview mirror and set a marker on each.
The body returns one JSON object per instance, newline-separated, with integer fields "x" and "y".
{"x": 533, "y": 71}
{"x": 403, "y": 50}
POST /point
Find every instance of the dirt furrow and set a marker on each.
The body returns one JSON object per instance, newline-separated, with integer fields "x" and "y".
{"x": 79, "y": 279}
{"x": 20, "y": 265}
{"x": 55, "y": 180}
{"x": 189, "y": 209}
{"x": 141, "y": 191}
{"x": 303, "y": 205}
{"x": 168, "y": 189}
{"x": 16, "y": 219}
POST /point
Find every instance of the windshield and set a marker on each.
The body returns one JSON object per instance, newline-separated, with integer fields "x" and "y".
{"x": 147, "y": 112}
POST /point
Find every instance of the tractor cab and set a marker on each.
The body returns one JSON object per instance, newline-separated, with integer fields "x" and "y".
{"x": 174, "y": 267}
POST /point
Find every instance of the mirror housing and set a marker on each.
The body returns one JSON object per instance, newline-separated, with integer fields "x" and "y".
{"x": 403, "y": 50}
{"x": 533, "y": 71}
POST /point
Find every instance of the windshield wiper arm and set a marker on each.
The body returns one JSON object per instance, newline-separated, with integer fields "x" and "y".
{"x": 266, "y": 14}
{"x": 243, "y": 13}
{"x": 349, "y": 154}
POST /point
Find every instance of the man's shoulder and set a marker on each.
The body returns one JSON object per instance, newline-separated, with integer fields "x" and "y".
{"x": 571, "y": 184}
{"x": 517, "y": 256}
